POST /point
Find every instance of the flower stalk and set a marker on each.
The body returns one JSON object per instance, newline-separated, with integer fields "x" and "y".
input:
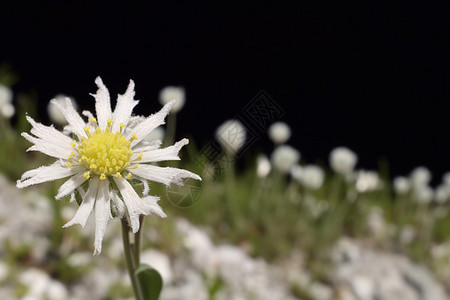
{"x": 132, "y": 256}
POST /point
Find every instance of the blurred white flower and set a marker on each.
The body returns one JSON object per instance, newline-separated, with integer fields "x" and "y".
{"x": 155, "y": 135}
{"x": 401, "y": 185}
{"x": 102, "y": 151}
{"x": 279, "y": 132}
{"x": 170, "y": 93}
{"x": 296, "y": 172}
{"x": 375, "y": 221}
{"x": 56, "y": 116}
{"x": 6, "y": 95}
{"x": 424, "y": 194}
{"x": 4, "y": 271}
{"x": 343, "y": 160}
{"x": 6, "y": 108}
{"x": 446, "y": 178}
{"x": 284, "y": 157}
{"x": 442, "y": 193}
{"x": 160, "y": 262}
{"x": 263, "y": 165}
{"x": 310, "y": 176}
{"x": 231, "y": 135}
{"x": 367, "y": 181}
{"x": 407, "y": 235}
{"x": 420, "y": 177}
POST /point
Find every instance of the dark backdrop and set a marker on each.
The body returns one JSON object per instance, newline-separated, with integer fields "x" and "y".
{"x": 373, "y": 77}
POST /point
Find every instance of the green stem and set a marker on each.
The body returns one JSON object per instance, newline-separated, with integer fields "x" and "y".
{"x": 131, "y": 259}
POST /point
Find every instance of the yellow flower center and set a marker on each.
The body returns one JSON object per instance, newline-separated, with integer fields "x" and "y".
{"x": 105, "y": 153}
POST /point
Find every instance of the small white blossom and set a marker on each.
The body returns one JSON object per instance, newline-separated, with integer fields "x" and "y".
{"x": 446, "y": 178}
{"x": 6, "y": 108}
{"x": 263, "y": 166}
{"x": 367, "y": 181}
{"x": 284, "y": 157}
{"x": 56, "y": 116}
{"x": 279, "y": 132}
{"x": 105, "y": 153}
{"x": 420, "y": 177}
{"x": 401, "y": 185}
{"x": 231, "y": 135}
{"x": 296, "y": 172}
{"x": 343, "y": 160}
{"x": 424, "y": 194}
{"x": 170, "y": 93}
{"x": 311, "y": 176}
{"x": 442, "y": 194}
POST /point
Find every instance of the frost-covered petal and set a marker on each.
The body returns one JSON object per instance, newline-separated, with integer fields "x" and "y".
{"x": 165, "y": 175}
{"x": 153, "y": 121}
{"x": 46, "y": 173}
{"x": 152, "y": 202}
{"x": 102, "y": 104}
{"x": 49, "y": 133}
{"x": 119, "y": 206}
{"x": 135, "y": 205}
{"x": 132, "y": 201}
{"x": 86, "y": 205}
{"x": 102, "y": 214}
{"x": 76, "y": 123}
{"x": 70, "y": 185}
{"x": 169, "y": 153}
{"x": 124, "y": 107}
{"x": 46, "y": 147}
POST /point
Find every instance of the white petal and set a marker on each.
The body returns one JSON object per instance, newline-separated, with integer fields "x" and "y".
{"x": 146, "y": 187}
{"x": 151, "y": 123}
{"x": 47, "y": 173}
{"x": 102, "y": 214}
{"x": 73, "y": 118}
{"x": 118, "y": 207}
{"x": 132, "y": 202}
{"x": 49, "y": 133}
{"x": 152, "y": 201}
{"x": 165, "y": 175}
{"x": 102, "y": 104}
{"x": 50, "y": 148}
{"x": 70, "y": 185}
{"x": 124, "y": 107}
{"x": 87, "y": 114}
{"x": 86, "y": 205}
{"x": 169, "y": 153}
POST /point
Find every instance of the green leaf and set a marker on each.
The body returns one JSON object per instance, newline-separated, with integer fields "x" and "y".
{"x": 150, "y": 281}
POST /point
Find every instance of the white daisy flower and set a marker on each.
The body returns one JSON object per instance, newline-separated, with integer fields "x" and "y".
{"x": 103, "y": 154}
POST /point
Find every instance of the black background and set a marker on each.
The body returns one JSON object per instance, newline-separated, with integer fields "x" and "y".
{"x": 373, "y": 76}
